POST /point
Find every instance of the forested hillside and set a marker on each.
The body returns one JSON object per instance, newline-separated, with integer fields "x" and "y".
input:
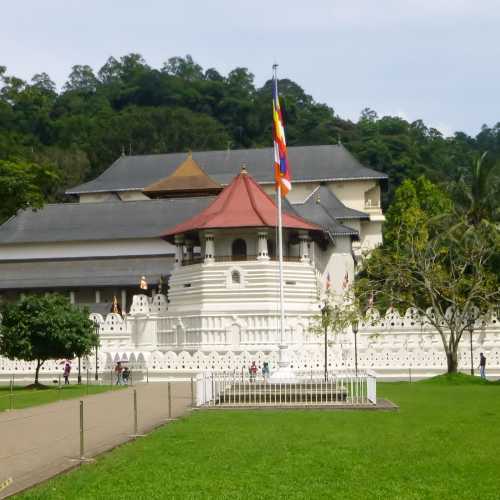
{"x": 131, "y": 107}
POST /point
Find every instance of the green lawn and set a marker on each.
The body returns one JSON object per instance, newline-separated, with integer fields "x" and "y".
{"x": 443, "y": 443}
{"x": 23, "y": 398}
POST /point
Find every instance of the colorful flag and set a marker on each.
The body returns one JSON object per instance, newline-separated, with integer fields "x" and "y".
{"x": 282, "y": 172}
{"x": 345, "y": 282}
{"x": 328, "y": 282}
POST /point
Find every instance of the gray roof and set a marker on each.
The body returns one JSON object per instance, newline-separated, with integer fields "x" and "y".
{"x": 329, "y": 201}
{"x": 326, "y": 210}
{"x": 308, "y": 163}
{"x": 100, "y": 221}
{"x": 71, "y": 273}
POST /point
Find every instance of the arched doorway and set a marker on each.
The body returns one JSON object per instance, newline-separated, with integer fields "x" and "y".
{"x": 239, "y": 249}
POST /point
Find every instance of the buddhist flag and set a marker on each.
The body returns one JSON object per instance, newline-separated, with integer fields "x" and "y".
{"x": 328, "y": 282}
{"x": 345, "y": 282}
{"x": 282, "y": 172}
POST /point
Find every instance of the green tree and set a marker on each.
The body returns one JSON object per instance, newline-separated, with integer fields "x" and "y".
{"x": 477, "y": 192}
{"x": 24, "y": 185}
{"x": 42, "y": 327}
{"x": 434, "y": 264}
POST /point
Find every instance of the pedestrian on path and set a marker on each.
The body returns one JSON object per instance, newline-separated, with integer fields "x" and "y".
{"x": 265, "y": 371}
{"x": 253, "y": 371}
{"x": 125, "y": 375}
{"x": 118, "y": 372}
{"x": 482, "y": 366}
{"x": 66, "y": 372}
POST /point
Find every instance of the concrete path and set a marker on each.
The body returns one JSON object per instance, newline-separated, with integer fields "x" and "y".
{"x": 37, "y": 443}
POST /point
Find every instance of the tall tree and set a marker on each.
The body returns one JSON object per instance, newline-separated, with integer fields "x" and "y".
{"x": 24, "y": 185}
{"x": 39, "y": 328}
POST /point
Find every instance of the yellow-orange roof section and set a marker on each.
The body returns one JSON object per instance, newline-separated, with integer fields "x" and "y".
{"x": 188, "y": 179}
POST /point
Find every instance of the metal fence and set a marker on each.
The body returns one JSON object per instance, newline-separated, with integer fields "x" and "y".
{"x": 223, "y": 389}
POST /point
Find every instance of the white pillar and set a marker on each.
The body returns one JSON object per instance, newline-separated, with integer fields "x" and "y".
{"x": 304, "y": 246}
{"x": 262, "y": 250}
{"x": 97, "y": 296}
{"x": 209, "y": 248}
{"x": 72, "y": 296}
{"x": 179, "y": 250}
{"x": 124, "y": 301}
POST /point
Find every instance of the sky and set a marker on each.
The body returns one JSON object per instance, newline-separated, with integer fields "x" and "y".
{"x": 435, "y": 60}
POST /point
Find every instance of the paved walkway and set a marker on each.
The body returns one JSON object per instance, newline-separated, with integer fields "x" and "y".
{"x": 37, "y": 443}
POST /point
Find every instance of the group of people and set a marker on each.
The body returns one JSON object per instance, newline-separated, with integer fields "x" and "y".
{"x": 122, "y": 374}
{"x": 253, "y": 371}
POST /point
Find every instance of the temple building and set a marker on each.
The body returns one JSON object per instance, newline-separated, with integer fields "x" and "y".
{"x": 176, "y": 218}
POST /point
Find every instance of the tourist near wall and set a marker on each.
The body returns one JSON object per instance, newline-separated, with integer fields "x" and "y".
{"x": 160, "y": 346}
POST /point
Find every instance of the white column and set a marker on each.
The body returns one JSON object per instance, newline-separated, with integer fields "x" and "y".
{"x": 72, "y": 296}
{"x": 209, "y": 248}
{"x": 262, "y": 250}
{"x": 124, "y": 301}
{"x": 304, "y": 246}
{"x": 179, "y": 250}
{"x": 97, "y": 296}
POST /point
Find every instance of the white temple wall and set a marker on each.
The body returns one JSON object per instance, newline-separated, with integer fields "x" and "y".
{"x": 370, "y": 235}
{"x": 210, "y": 287}
{"x": 85, "y": 249}
{"x": 394, "y": 346}
{"x": 336, "y": 261}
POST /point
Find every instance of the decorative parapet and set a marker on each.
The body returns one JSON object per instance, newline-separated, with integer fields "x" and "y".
{"x": 412, "y": 320}
{"x": 159, "y": 305}
{"x": 140, "y": 306}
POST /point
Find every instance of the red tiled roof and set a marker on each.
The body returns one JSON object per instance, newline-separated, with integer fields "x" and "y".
{"x": 243, "y": 203}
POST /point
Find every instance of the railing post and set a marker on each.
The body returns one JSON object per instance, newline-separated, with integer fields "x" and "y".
{"x": 135, "y": 413}
{"x": 192, "y": 393}
{"x": 11, "y": 395}
{"x": 82, "y": 449}
{"x": 169, "y": 393}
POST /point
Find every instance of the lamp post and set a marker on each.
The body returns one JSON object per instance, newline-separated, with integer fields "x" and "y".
{"x": 471, "y": 331}
{"x": 355, "y": 331}
{"x": 325, "y": 316}
{"x": 96, "y": 329}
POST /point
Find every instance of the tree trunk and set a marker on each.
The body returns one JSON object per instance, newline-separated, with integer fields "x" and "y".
{"x": 452, "y": 361}
{"x": 37, "y": 370}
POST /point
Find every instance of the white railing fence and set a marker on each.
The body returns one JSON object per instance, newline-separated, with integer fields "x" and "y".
{"x": 307, "y": 388}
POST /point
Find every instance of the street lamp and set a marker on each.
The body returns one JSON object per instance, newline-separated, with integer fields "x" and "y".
{"x": 355, "y": 331}
{"x": 325, "y": 316}
{"x": 97, "y": 326}
{"x": 471, "y": 331}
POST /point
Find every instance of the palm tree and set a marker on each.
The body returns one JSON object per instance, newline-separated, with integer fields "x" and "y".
{"x": 477, "y": 192}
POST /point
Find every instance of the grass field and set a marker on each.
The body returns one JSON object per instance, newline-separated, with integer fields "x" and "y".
{"x": 443, "y": 443}
{"x": 23, "y": 398}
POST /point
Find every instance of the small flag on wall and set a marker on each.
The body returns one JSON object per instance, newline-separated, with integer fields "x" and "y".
{"x": 328, "y": 282}
{"x": 345, "y": 282}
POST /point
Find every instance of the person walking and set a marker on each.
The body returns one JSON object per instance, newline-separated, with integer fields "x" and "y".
{"x": 66, "y": 372}
{"x": 125, "y": 375}
{"x": 265, "y": 371}
{"x": 118, "y": 372}
{"x": 482, "y": 365}
{"x": 253, "y": 371}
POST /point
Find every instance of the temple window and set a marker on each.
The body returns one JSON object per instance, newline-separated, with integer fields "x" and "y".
{"x": 239, "y": 249}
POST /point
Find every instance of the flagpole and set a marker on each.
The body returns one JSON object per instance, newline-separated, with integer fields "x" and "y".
{"x": 283, "y": 358}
